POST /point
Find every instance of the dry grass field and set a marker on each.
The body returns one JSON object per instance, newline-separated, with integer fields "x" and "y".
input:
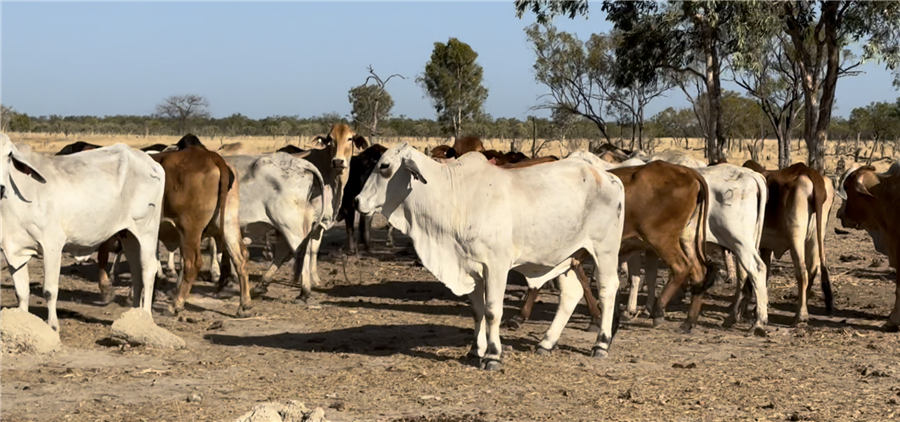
{"x": 382, "y": 340}
{"x": 51, "y": 143}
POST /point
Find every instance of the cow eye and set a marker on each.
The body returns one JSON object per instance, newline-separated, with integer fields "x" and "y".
{"x": 384, "y": 166}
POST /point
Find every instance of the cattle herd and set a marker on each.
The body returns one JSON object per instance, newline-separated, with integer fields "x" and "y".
{"x": 477, "y": 219}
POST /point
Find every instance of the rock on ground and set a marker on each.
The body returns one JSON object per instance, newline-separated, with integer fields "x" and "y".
{"x": 136, "y": 328}
{"x": 292, "y": 411}
{"x": 24, "y": 332}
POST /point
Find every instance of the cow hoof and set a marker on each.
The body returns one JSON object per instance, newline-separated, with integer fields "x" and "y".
{"x": 685, "y": 328}
{"x": 258, "y": 291}
{"x": 891, "y": 328}
{"x": 599, "y": 353}
{"x": 473, "y": 359}
{"x": 243, "y": 312}
{"x": 799, "y": 323}
{"x": 593, "y": 328}
{"x": 760, "y": 332}
{"x": 657, "y": 322}
{"x": 627, "y": 316}
{"x": 514, "y": 323}
{"x": 106, "y": 297}
{"x": 492, "y": 365}
{"x": 729, "y": 322}
{"x": 540, "y": 351}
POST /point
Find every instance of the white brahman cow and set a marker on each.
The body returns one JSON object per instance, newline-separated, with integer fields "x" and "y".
{"x": 285, "y": 193}
{"x": 75, "y": 203}
{"x": 472, "y": 222}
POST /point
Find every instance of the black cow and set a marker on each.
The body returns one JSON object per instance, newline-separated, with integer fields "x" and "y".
{"x": 361, "y": 166}
{"x": 77, "y": 147}
{"x": 290, "y": 149}
{"x": 189, "y": 140}
{"x": 155, "y": 147}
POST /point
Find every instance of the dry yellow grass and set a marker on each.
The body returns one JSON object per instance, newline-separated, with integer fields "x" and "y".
{"x": 51, "y": 143}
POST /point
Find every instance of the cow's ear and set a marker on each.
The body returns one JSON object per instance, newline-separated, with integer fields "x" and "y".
{"x": 360, "y": 142}
{"x": 23, "y": 166}
{"x": 860, "y": 185}
{"x": 413, "y": 168}
{"x": 321, "y": 141}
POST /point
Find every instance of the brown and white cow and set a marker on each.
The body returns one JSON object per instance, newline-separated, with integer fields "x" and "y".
{"x": 797, "y": 210}
{"x": 870, "y": 202}
{"x": 332, "y": 160}
{"x": 666, "y": 211}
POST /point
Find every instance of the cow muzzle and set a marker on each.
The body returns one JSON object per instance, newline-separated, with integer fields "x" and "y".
{"x": 339, "y": 165}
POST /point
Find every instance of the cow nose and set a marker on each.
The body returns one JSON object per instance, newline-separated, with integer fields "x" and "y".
{"x": 337, "y": 163}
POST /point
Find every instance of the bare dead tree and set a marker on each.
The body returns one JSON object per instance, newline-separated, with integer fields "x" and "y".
{"x": 376, "y": 101}
{"x": 183, "y": 108}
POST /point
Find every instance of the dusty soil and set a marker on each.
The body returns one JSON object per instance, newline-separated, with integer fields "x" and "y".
{"x": 390, "y": 343}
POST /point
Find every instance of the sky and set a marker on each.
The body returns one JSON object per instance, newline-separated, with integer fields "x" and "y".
{"x": 282, "y": 58}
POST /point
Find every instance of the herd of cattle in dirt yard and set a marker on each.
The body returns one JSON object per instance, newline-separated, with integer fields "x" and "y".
{"x": 478, "y": 219}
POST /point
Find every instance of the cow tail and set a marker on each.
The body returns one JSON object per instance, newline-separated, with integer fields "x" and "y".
{"x": 703, "y": 199}
{"x": 226, "y": 180}
{"x": 819, "y": 197}
{"x": 700, "y": 238}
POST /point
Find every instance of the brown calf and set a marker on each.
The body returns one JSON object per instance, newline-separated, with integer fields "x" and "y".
{"x": 465, "y": 145}
{"x": 870, "y": 203}
{"x": 237, "y": 148}
{"x": 662, "y": 201}
{"x": 795, "y": 194}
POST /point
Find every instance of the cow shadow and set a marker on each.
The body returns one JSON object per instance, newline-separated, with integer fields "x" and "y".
{"x": 372, "y": 340}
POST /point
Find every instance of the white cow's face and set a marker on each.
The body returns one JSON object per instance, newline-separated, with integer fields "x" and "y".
{"x": 391, "y": 181}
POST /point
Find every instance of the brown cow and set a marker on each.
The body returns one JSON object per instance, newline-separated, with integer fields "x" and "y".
{"x": 200, "y": 196}
{"x": 796, "y": 194}
{"x": 666, "y": 210}
{"x": 870, "y": 203}
{"x": 440, "y": 151}
{"x": 465, "y": 145}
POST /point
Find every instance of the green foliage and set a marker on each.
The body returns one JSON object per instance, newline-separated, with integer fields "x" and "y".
{"x": 545, "y": 10}
{"x": 877, "y": 121}
{"x": 370, "y": 105}
{"x": 453, "y": 81}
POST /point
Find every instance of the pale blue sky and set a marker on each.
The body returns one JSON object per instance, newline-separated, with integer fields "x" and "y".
{"x": 282, "y": 58}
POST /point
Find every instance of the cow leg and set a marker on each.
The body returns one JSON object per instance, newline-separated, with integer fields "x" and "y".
{"x": 170, "y": 262}
{"x": 651, "y": 274}
{"x": 52, "y": 264}
{"x": 678, "y": 274}
{"x": 569, "y": 296}
{"x": 519, "y": 319}
{"x": 281, "y": 254}
{"x": 755, "y": 268}
{"x": 142, "y": 260}
{"x": 191, "y": 262}
{"x": 106, "y": 289}
{"x": 215, "y": 269}
{"x": 233, "y": 241}
{"x": 390, "y": 236}
{"x": 893, "y": 322}
{"x": 590, "y": 301}
{"x": 608, "y": 280}
{"x": 313, "y": 257}
{"x": 798, "y": 256}
{"x": 495, "y": 289}
{"x": 350, "y": 227}
{"x": 633, "y": 272}
{"x": 365, "y": 230}
{"x": 479, "y": 347}
{"x": 21, "y": 283}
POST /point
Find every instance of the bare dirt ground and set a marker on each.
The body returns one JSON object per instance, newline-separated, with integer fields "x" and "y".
{"x": 390, "y": 345}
